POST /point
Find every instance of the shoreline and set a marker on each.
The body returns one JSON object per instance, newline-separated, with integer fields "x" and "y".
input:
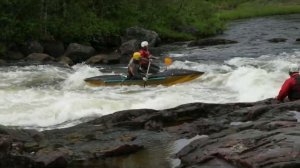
{"x": 133, "y": 137}
{"x": 249, "y": 12}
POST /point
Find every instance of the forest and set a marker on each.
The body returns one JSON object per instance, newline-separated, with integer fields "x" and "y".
{"x": 82, "y": 21}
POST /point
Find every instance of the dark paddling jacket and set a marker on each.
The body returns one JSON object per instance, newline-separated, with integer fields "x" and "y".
{"x": 290, "y": 88}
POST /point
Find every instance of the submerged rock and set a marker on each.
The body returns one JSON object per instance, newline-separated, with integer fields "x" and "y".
{"x": 211, "y": 42}
{"x": 277, "y": 40}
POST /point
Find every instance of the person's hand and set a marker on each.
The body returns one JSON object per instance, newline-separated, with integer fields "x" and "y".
{"x": 145, "y": 79}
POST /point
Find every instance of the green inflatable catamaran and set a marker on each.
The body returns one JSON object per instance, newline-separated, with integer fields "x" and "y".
{"x": 165, "y": 78}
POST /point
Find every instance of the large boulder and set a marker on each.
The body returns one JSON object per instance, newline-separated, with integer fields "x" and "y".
{"x": 79, "y": 53}
{"x": 2, "y": 62}
{"x": 5, "y": 144}
{"x": 105, "y": 42}
{"x": 97, "y": 59}
{"x": 54, "y": 48}
{"x": 113, "y": 58}
{"x": 39, "y": 57}
{"x": 65, "y": 61}
{"x": 141, "y": 34}
{"x": 262, "y": 134}
{"x": 3, "y": 49}
{"x": 128, "y": 48}
{"x": 51, "y": 158}
{"x": 31, "y": 47}
{"x": 14, "y": 55}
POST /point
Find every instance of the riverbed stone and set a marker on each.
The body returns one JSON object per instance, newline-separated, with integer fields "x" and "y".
{"x": 5, "y": 144}
{"x": 124, "y": 149}
{"x": 259, "y": 134}
{"x": 50, "y": 158}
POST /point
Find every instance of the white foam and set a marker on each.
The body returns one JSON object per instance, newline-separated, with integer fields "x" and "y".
{"x": 240, "y": 123}
{"x": 180, "y": 144}
{"x": 47, "y": 95}
{"x": 75, "y": 80}
{"x": 296, "y": 115}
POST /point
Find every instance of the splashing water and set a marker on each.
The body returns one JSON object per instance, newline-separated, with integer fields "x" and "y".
{"x": 47, "y": 96}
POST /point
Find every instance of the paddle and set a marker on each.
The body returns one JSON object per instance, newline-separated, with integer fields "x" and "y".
{"x": 168, "y": 61}
{"x": 146, "y": 76}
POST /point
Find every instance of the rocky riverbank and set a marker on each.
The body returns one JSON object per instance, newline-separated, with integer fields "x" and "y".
{"x": 105, "y": 50}
{"x": 102, "y": 50}
{"x": 118, "y": 49}
{"x": 261, "y": 134}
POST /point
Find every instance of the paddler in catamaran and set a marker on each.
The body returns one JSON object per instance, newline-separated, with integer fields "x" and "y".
{"x": 134, "y": 67}
{"x": 146, "y": 58}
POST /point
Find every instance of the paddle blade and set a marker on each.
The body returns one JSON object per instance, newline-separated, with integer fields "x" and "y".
{"x": 168, "y": 61}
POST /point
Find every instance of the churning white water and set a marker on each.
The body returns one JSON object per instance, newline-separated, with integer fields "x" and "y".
{"x": 47, "y": 96}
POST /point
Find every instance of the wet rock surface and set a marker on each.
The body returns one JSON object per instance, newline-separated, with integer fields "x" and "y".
{"x": 211, "y": 42}
{"x": 277, "y": 40}
{"x": 260, "y": 134}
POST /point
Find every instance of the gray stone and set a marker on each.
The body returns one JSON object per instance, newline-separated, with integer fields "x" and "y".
{"x": 54, "y": 48}
{"x": 40, "y": 57}
{"x": 79, "y": 53}
{"x": 141, "y": 34}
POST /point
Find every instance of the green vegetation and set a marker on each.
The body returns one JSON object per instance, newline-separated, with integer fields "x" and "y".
{"x": 81, "y": 21}
{"x": 258, "y": 8}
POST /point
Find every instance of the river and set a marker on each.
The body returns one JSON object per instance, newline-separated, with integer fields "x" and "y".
{"x": 48, "y": 97}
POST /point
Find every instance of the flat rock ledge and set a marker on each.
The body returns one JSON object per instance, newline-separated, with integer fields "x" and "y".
{"x": 263, "y": 134}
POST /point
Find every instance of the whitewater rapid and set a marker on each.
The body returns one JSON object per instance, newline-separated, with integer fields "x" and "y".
{"x": 47, "y": 97}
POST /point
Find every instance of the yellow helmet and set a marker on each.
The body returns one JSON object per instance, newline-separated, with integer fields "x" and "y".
{"x": 136, "y": 55}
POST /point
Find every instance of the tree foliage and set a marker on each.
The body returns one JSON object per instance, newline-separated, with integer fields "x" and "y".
{"x": 77, "y": 20}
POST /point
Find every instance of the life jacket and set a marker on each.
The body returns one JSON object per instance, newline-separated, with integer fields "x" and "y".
{"x": 294, "y": 93}
{"x": 145, "y": 54}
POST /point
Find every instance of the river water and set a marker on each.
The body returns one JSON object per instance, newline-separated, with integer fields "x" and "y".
{"x": 47, "y": 96}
